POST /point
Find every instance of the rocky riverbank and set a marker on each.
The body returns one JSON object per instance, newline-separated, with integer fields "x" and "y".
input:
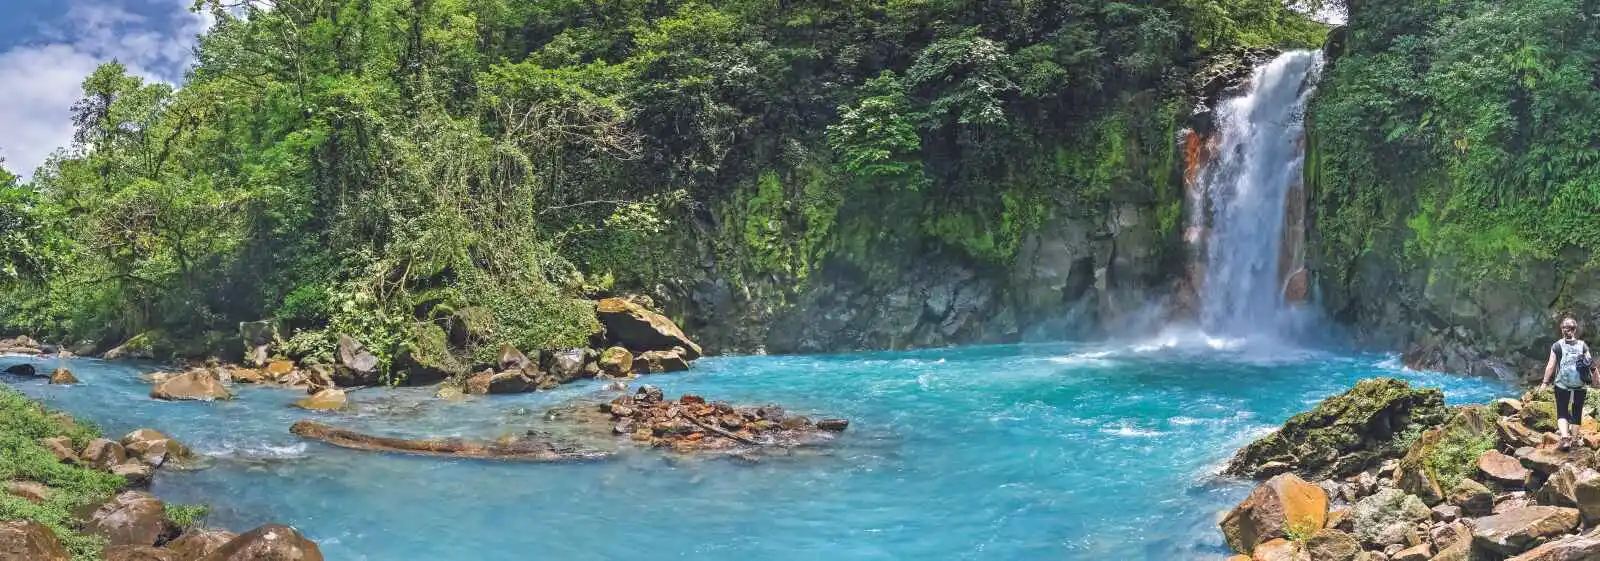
{"x": 72, "y": 494}
{"x": 1388, "y": 472}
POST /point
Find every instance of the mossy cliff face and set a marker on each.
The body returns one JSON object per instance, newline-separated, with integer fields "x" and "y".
{"x": 1452, "y": 177}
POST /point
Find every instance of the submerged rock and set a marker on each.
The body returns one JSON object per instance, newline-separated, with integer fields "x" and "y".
{"x": 272, "y": 542}
{"x": 642, "y": 330}
{"x": 510, "y": 449}
{"x": 1272, "y": 510}
{"x": 154, "y": 448}
{"x": 1344, "y": 434}
{"x": 325, "y": 400}
{"x": 25, "y": 540}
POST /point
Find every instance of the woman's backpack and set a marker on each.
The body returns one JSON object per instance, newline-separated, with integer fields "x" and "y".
{"x": 1586, "y": 368}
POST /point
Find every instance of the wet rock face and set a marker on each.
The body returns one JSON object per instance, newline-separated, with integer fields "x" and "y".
{"x": 22, "y": 540}
{"x": 1344, "y": 434}
{"x": 272, "y": 542}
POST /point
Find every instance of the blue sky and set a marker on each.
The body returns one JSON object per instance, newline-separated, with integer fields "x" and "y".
{"x": 48, "y": 46}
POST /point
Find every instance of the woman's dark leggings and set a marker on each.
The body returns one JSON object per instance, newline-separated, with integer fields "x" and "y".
{"x": 1571, "y": 411}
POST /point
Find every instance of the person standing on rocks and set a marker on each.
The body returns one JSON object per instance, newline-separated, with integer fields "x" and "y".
{"x": 1570, "y": 386}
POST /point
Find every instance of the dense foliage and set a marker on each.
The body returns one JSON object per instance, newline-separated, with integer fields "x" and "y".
{"x": 1462, "y": 135}
{"x": 358, "y": 166}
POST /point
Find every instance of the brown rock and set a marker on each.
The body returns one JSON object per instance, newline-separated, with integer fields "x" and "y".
{"x": 1506, "y": 407}
{"x": 103, "y": 454}
{"x": 1419, "y": 552}
{"x": 1570, "y": 548}
{"x": 1515, "y": 435}
{"x": 272, "y": 542}
{"x": 138, "y": 553}
{"x": 198, "y": 543}
{"x": 570, "y": 364}
{"x": 138, "y": 474}
{"x": 325, "y": 400}
{"x": 131, "y": 518}
{"x": 1371, "y": 556}
{"x": 1502, "y": 470}
{"x": 616, "y": 361}
{"x": 658, "y": 362}
{"x": 1547, "y": 460}
{"x": 641, "y": 330}
{"x": 489, "y": 382}
{"x": 154, "y": 448}
{"x": 1278, "y": 550}
{"x": 1332, "y": 545}
{"x": 1450, "y": 513}
{"x": 1512, "y": 532}
{"x": 63, "y": 376}
{"x": 248, "y": 376}
{"x": 1238, "y": 558}
{"x": 1473, "y": 498}
{"x": 834, "y": 425}
{"x": 60, "y": 447}
{"x": 32, "y": 491}
{"x": 198, "y": 384}
{"x": 25, "y": 540}
{"x": 277, "y": 368}
{"x": 1274, "y": 507}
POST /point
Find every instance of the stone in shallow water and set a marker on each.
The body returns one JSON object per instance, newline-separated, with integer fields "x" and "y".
{"x": 62, "y": 376}
{"x": 199, "y": 384}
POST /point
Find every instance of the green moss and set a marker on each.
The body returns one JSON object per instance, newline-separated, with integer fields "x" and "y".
{"x": 1454, "y": 455}
{"x": 187, "y": 516}
{"x": 22, "y": 423}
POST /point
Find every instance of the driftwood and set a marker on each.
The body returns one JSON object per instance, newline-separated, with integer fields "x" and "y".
{"x": 717, "y": 430}
{"x": 513, "y": 450}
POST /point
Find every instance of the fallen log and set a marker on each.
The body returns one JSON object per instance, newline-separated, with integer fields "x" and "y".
{"x": 516, "y": 450}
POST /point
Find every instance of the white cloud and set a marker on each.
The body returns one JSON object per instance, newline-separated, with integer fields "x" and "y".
{"x": 39, "y": 82}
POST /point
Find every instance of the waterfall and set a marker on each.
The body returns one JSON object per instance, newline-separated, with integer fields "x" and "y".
{"x": 1252, "y": 201}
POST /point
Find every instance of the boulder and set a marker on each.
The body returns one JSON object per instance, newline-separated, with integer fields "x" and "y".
{"x": 138, "y": 553}
{"x": 1546, "y": 460}
{"x": 131, "y": 518}
{"x": 23, "y": 369}
{"x": 141, "y": 347}
{"x": 60, "y": 447}
{"x": 616, "y": 361}
{"x": 154, "y": 448}
{"x": 1512, "y": 532}
{"x": 1515, "y": 435}
{"x": 1450, "y": 513}
{"x": 258, "y": 338}
{"x": 63, "y": 376}
{"x": 1570, "y": 548}
{"x": 570, "y": 364}
{"x": 198, "y": 543}
{"x": 272, "y": 542}
{"x": 31, "y": 491}
{"x": 1419, "y": 552}
{"x": 1332, "y": 545}
{"x": 658, "y": 362}
{"x": 137, "y": 474}
{"x": 490, "y": 382}
{"x": 325, "y": 400}
{"x": 1345, "y": 433}
{"x": 277, "y": 369}
{"x": 1573, "y": 486}
{"x": 512, "y": 359}
{"x": 1272, "y": 510}
{"x": 102, "y": 454}
{"x": 197, "y": 384}
{"x": 26, "y": 540}
{"x": 1502, "y": 470}
{"x": 641, "y": 330}
{"x": 356, "y": 359}
{"x": 424, "y": 358}
{"x": 1279, "y": 549}
{"x": 1506, "y": 407}
{"x": 1472, "y": 497}
{"x": 1374, "y": 514}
